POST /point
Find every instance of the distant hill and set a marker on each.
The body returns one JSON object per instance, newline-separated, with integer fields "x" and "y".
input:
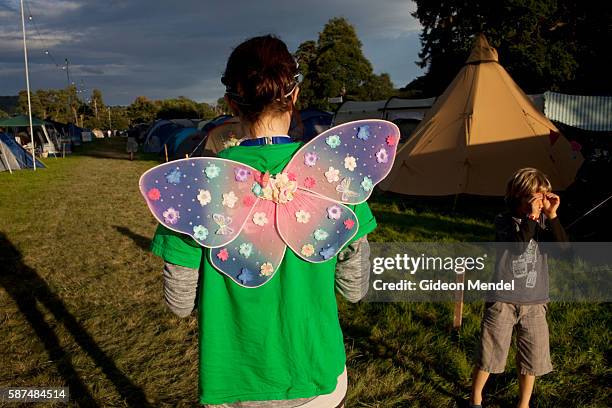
{"x": 8, "y": 103}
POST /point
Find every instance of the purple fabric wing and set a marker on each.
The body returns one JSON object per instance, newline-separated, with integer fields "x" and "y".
{"x": 208, "y": 199}
{"x": 345, "y": 162}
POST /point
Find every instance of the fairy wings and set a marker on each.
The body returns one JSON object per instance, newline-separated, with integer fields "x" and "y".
{"x": 248, "y": 218}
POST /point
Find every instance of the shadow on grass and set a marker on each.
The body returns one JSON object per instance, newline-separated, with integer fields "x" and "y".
{"x": 140, "y": 240}
{"x": 432, "y": 227}
{"x": 27, "y": 289}
{"x": 113, "y": 148}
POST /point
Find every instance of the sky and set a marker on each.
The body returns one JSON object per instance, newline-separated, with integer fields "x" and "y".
{"x": 164, "y": 49}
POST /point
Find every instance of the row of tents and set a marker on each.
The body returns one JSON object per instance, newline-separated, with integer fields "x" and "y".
{"x": 468, "y": 140}
{"x": 51, "y": 138}
{"x": 177, "y": 138}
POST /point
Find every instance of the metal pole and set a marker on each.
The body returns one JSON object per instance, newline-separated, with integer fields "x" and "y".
{"x": 27, "y": 74}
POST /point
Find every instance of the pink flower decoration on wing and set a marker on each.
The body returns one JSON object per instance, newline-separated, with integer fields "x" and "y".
{"x": 310, "y": 159}
{"x": 349, "y": 224}
{"x": 241, "y": 173}
{"x": 334, "y": 212}
{"x": 292, "y": 176}
{"x": 309, "y": 182}
{"x": 223, "y": 255}
{"x": 382, "y": 156}
{"x": 248, "y": 200}
{"x": 171, "y": 216}
{"x": 391, "y": 140}
{"x": 153, "y": 194}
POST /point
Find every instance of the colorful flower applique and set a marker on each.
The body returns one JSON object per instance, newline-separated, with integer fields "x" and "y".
{"x": 367, "y": 184}
{"x": 328, "y": 252}
{"x": 257, "y": 190}
{"x": 245, "y": 275}
{"x": 310, "y": 159}
{"x": 223, "y": 255}
{"x": 229, "y": 199}
{"x": 382, "y": 156}
{"x": 154, "y": 194}
{"x": 241, "y": 174}
{"x": 333, "y": 141}
{"x": 259, "y": 218}
{"x": 212, "y": 171}
{"x": 350, "y": 163}
{"x": 309, "y": 182}
{"x": 266, "y": 269}
{"x": 349, "y": 224}
{"x": 204, "y": 197}
{"x": 171, "y": 216}
{"x": 307, "y": 250}
{"x": 248, "y": 200}
{"x": 200, "y": 232}
{"x": 363, "y": 132}
{"x": 332, "y": 175}
{"x": 174, "y": 177}
{"x": 320, "y": 235}
{"x": 302, "y": 216}
{"x": 334, "y": 212}
{"x": 392, "y": 140}
{"x": 245, "y": 249}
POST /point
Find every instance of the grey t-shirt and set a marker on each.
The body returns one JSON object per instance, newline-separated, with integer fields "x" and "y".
{"x": 520, "y": 258}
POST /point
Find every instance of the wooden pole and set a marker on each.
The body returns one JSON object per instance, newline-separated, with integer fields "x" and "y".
{"x": 166, "y": 151}
{"x": 458, "y": 314}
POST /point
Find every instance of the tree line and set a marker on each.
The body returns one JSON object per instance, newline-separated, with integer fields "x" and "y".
{"x": 544, "y": 45}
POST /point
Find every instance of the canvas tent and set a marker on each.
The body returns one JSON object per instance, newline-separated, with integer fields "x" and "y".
{"x": 20, "y": 126}
{"x": 356, "y": 110}
{"x": 13, "y": 156}
{"x": 478, "y": 133}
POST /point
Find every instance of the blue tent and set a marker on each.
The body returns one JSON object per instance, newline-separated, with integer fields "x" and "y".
{"x": 159, "y": 136}
{"x": 13, "y": 156}
{"x": 179, "y": 137}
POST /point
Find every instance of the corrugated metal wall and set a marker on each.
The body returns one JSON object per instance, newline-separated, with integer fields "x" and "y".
{"x": 584, "y": 112}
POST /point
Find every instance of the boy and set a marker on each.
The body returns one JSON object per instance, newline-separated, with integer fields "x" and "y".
{"x": 532, "y": 218}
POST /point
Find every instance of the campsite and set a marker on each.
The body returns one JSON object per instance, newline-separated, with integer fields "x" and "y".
{"x": 84, "y": 301}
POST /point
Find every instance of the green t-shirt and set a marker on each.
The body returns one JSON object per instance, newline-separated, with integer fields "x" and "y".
{"x": 278, "y": 341}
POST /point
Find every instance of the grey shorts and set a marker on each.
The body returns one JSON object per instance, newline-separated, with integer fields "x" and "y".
{"x": 532, "y": 340}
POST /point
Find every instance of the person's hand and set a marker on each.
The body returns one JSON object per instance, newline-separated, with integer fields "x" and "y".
{"x": 536, "y": 203}
{"x": 550, "y": 204}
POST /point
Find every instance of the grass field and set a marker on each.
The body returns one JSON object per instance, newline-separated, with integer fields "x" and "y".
{"x": 81, "y": 303}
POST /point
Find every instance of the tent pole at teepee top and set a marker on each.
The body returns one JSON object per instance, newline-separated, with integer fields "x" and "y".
{"x": 25, "y": 57}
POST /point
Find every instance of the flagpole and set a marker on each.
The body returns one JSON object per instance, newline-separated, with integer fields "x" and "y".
{"x": 25, "y": 57}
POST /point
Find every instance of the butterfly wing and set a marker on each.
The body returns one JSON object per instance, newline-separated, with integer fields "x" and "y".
{"x": 254, "y": 256}
{"x": 208, "y": 199}
{"x": 359, "y": 153}
{"x": 314, "y": 227}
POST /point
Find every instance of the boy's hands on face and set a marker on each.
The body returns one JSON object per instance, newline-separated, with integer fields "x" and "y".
{"x": 536, "y": 201}
{"x": 550, "y": 204}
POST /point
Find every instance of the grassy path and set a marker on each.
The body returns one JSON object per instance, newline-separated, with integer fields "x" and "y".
{"x": 81, "y": 304}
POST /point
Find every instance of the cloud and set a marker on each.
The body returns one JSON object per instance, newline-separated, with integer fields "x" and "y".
{"x": 161, "y": 49}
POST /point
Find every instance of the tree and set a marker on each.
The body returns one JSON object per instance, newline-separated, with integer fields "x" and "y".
{"x": 3, "y": 114}
{"x": 141, "y": 110}
{"x": 336, "y": 66}
{"x": 97, "y": 103}
{"x": 306, "y": 56}
{"x": 544, "y": 44}
{"x": 222, "y": 108}
{"x": 22, "y": 104}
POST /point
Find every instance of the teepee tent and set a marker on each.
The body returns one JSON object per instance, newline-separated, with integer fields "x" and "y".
{"x": 478, "y": 133}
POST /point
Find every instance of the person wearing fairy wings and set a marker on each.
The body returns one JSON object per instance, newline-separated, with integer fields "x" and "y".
{"x": 267, "y": 232}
